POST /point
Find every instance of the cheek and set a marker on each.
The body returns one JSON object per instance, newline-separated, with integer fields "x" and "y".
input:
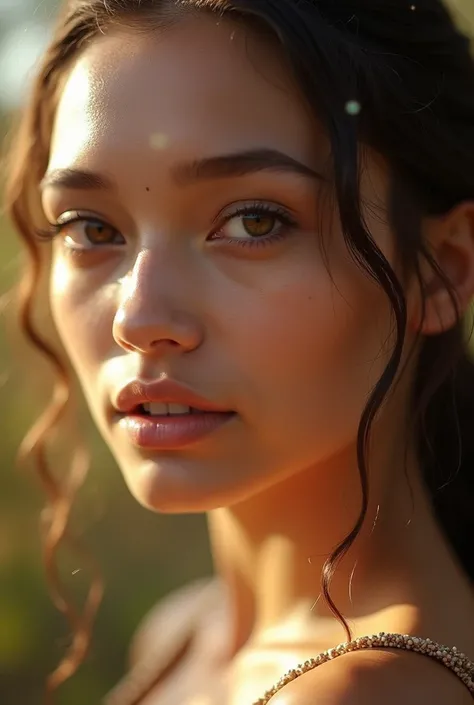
{"x": 82, "y": 313}
{"x": 313, "y": 349}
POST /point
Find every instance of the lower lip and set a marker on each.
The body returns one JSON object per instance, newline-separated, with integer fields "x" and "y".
{"x": 168, "y": 432}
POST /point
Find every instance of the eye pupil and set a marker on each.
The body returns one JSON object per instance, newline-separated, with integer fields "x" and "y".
{"x": 258, "y": 225}
{"x": 98, "y": 232}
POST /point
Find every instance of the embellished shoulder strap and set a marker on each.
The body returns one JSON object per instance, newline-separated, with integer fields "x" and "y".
{"x": 447, "y": 656}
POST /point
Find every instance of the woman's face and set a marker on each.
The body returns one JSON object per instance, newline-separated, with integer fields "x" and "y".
{"x": 194, "y": 257}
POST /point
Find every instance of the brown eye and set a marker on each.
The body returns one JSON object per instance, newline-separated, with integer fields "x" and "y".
{"x": 99, "y": 233}
{"x": 83, "y": 233}
{"x": 258, "y": 225}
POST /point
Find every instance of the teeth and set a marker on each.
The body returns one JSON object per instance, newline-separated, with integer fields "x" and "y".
{"x": 161, "y": 409}
{"x": 156, "y": 408}
{"x": 178, "y": 409}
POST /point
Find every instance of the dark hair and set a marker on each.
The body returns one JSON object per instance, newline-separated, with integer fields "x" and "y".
{"x": 410, "y": 72}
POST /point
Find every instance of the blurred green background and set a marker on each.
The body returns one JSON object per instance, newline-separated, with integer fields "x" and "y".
{"x": 142, "y": 555}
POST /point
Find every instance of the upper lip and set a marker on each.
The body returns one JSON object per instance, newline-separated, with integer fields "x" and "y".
{"x": 167, "y": 391}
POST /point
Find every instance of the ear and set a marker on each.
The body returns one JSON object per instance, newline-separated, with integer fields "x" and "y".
{"x": 450, "y": 241}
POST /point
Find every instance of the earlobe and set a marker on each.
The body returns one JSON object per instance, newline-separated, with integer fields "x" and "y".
{"x": 447, "y": 274}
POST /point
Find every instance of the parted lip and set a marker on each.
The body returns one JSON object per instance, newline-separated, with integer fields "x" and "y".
{"x": 166, "y": 391}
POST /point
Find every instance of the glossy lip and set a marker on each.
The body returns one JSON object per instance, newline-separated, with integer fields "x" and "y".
{"x": 171, "y": 432}
{"x": 163, "y": 432}
{"x": 165, "y": 390}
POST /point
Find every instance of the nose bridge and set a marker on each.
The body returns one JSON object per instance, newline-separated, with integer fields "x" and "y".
{"x": 152, "y": 306}
{"x": 145, "y": 281}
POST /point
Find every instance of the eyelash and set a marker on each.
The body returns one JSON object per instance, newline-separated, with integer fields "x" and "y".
{"x": 258, "y": 209}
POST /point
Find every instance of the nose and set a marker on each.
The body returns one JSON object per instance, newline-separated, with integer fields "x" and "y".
{"x": 152, "y": 316}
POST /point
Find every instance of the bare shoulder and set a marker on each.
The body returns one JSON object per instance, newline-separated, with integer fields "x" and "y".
{"x": 174, "y": 617}
{"x": 370, "y": 677}
{"x": 163, "y": 639}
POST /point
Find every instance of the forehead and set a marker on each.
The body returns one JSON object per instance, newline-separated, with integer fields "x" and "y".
{"x": 202, "y": 86}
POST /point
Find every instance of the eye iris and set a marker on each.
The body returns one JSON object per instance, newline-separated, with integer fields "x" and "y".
{"x": 258, "y": 225}
{"x": 98, "y": 232}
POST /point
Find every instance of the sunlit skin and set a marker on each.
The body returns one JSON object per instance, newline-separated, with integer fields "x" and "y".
{"x": 289, "y": 335}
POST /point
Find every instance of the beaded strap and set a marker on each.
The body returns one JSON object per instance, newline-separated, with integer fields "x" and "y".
{"x": 449, "y": 657}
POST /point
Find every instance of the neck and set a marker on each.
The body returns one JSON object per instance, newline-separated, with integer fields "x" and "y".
{"x": 270, "y": 551}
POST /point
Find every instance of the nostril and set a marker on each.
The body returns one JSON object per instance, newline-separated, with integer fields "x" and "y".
{"x": 168, "y": 342}
{"x": 147, "y": 346}
{"x": 125, "y": 345}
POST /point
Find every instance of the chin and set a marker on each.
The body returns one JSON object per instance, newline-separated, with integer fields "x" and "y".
{"x": 170, "y": 487}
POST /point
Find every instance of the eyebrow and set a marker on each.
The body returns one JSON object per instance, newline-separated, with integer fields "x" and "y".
{"x": 219, "y": 167}
{"x": 241, "y": 164}
{"x": 77, "y": 180}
